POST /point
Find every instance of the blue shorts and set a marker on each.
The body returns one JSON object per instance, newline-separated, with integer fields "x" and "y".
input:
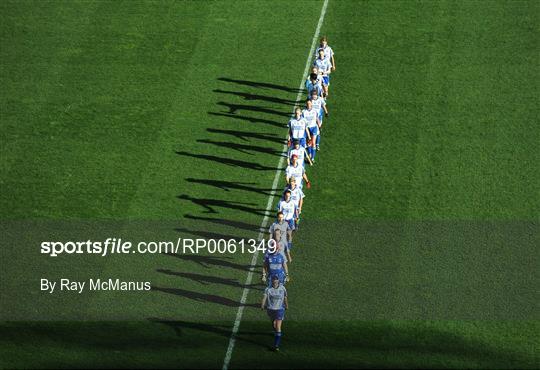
{"x": 314, "y": 130}
{"x": 326, "y": 80}
{"x": 276, "y": 314}
{"x": 302, "y": 141}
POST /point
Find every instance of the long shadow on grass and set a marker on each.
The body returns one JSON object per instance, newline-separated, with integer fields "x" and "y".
{"x": 203, "y": 297}
{"x": 250, "y": 97}
{"x": 210, "y": 261}
{"x": 229, "y": 161}
{"x": 260, "y": 85}
{"x": 250, "y": 119}
{"x": 246, "y": 135}
{"x": 233, "y": 185}
{"x": 211, "y": 204}
{"x": 210, "y": 280}
{"x": 180, "y": 327}
{"x": 234, "y": 108}
{"x": 221, "y": 221}
{"x": 242, "y": 148}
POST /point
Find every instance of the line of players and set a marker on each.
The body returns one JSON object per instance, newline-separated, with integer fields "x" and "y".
{"x": 304, "y": 139}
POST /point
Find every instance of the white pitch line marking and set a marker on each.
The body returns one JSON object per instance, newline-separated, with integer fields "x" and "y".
{"x": 249, "y": 278}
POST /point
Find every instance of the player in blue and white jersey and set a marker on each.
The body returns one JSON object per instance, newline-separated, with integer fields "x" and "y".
{"x": 312, "y": 116}
{"x": 319, "y": 105}
{"x": 314, "y": 82}
{"x": 275, "y": 302}
{"x": 298, "y": 128}
{"x": 300, "y": 152}
{"x": 292, "y": 194}
{"x": 325, "y": 68}
{"x": 297, "y": 171}
{"x": 289, "y": 210}
{"x": 297, "y": 195}
{"x": 328, "y": 52}
{"x": 315, "y": 70}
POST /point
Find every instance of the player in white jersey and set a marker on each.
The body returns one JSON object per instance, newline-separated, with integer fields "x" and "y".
{"x": 275, "y": 302}
{"x": 313, "y": 123}
{"x": 298, "y": 128}
{"x": 300, "y": 152}
{"x": 289, "y": 210}
{"x": 325, "y": 68}
{"x": 319, "y": 105}
{"x": 297, "y": 196}
{"x": 290, "y": 214}
{"x": 328, "y": 52}
{"x": 297, "y": 171}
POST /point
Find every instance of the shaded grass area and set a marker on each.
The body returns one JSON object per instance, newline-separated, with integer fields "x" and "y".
{"x": 353, "y": 344}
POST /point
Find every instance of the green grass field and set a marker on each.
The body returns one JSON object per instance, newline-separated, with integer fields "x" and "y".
{"x": 157, "y": 120}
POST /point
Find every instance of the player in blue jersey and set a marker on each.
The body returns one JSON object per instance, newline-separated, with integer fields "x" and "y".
{"x": 275, "y": 302}
{"x": 313, "y": 120}
{"x": 319, "y": 105}
{"x": 275, "y": 265}
{"x": 325, "y": 68}
{"x": 298, "y": 128}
